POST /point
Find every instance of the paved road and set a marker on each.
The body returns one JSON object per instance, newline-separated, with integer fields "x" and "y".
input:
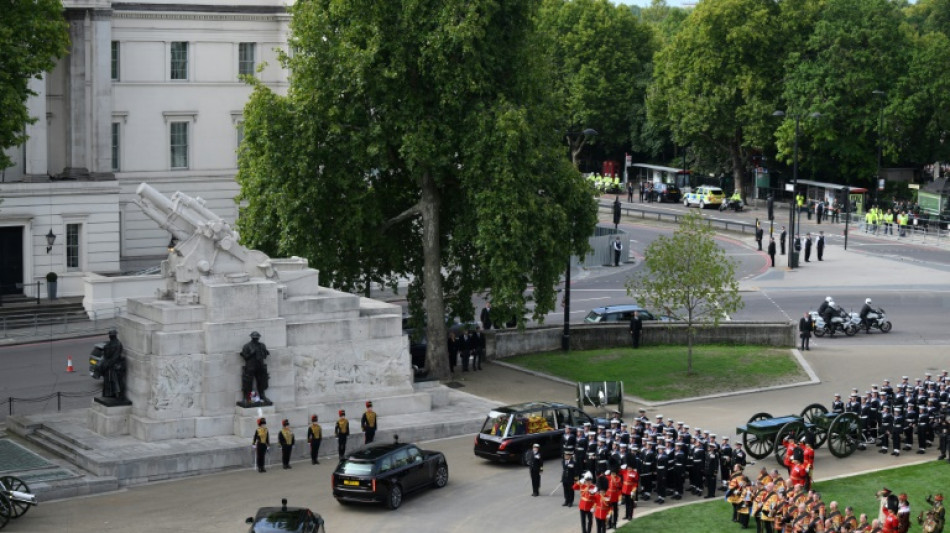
{"x": 480, "y": 495}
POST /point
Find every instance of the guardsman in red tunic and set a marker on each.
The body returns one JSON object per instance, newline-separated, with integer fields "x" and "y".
{"x": 631, "y": 480}
{"x": 286, "y": 440}
{"x": 586, "y": 505}
{"x": 602, "y": 511}
{"x": 614, "y": 487}
{"x": 891, "y": 522}
{"x": 799, "y": 474}
{"x": 789, "y": 445}
{"x": 809, "y": 463}
{"x": 261, "y": 442}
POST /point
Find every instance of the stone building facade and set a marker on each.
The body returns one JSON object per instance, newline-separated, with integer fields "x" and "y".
{"x": 150, "y": 91}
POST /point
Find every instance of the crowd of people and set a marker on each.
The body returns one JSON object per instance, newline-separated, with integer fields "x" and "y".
{"x": 613, "y": 468}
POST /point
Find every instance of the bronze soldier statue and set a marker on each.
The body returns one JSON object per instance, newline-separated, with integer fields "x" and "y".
{"x": 112, "y": 371}
{"x": 254, "y": 353}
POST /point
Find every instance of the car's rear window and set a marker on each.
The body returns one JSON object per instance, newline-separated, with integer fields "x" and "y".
{"x": 356, "y": 468}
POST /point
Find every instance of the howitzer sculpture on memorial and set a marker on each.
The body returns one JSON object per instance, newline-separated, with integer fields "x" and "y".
{"x": 206, "y": 245}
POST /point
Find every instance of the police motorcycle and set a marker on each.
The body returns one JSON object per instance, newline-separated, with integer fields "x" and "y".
{"x": 734, "y": 202}
{"x": 840, "y": 321}
{"x": 876, "y": 319}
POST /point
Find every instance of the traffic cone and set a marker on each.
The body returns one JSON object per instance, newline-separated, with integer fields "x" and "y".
{"x": 69, "y": 364}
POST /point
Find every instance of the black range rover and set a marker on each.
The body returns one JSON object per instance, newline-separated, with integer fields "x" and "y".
{"x": 384, "y": 473}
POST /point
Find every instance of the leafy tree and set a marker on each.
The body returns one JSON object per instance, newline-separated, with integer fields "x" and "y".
{"x": 714, "y": 83}
{"x": 690, "y": 277}
{"x": 602, "y": 54}
{"x": 417, "y": 138}
{"x": 33, "y": 34}
{"x": 856, "y": 47}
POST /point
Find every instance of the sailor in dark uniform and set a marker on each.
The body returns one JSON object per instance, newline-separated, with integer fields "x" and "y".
{"x": 569, "y": 475}
{"x": 679, "y": 470}
{"x": 648, "y": 470}
{"x": 910, "y": 425}
{"x": 662, "y": 471}
{"x": 837, "y": 406}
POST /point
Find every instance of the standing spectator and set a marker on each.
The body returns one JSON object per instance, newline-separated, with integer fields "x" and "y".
{"x": 642, "y": 191}
{"x": 807, "y": 247}
{"x": 629, "y": 191}
{"x": 782, "y": 239}
{"x": 342, "y": 431}
{"x": 772, "y": 250}
{"x": 819, "y": 210}
{"x": 286, "y": 440}
{"x": 535, "y": 467}
{"x": 314, "y": 438}
{"x": 820, "y": 245}
{"x": 478, "y": 351}
{"x": 486, "y": 316}
{"x": 805, "y": 327}
{"x": 465, "y": 348}
{"x": 453, "y": 351}
{"x": 759, "y": 233}
{"x": 636, "y": 326}
{"x": 368, "y": 423}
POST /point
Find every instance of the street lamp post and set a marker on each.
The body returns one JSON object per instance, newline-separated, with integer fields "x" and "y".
{"x": 880, "y": 144}
{"x": 792, "y": 253}
{"x": 566, "y": 335}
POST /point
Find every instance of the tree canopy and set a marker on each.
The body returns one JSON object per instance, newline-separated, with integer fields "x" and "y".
{"x": 33, "y": 35}
{"x": 689, "y": 276}
{"x": 418, "y": 138}
{"x": 714, "y": 82}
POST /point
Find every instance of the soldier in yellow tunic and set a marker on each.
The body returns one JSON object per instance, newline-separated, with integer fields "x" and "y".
{"x": 368, "y": 423}
{"x": 314, "y": 437}
{"x": 286, "y": 440}
{"x": 261, "y": 442}
{"x": 342, "y": 431}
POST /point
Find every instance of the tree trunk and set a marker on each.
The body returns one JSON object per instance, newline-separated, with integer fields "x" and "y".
{"x": 738, "y": 168}
{"x": 437, "y": 351}
{"x": 689, "y": 350}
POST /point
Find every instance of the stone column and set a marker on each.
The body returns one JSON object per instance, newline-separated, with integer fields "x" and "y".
{"x": 88, "y": 94}
{"x": 36, "y": 147}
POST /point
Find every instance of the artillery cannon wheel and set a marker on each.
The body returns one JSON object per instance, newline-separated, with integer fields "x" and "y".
{"x": 814, "y": 414}
{"x": 795, "y": 430}
{"x": 757, "y": 447}
{"x": 844, "y": 435}
{"x": 6, "y": 510}
{"x": 14, "y": 483}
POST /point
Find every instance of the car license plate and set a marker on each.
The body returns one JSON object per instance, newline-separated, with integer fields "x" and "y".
{"x": 351, "y": 482}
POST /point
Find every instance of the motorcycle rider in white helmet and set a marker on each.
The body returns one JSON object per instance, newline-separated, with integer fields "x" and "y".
{"x": 864, "y": 316}
{"x": 824, "y": 306}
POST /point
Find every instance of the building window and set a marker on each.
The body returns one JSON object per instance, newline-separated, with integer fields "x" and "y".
{"x": 115, "y": 146}
{"x": 115, "y": 60}
{"x": 72, "y": 246}
{"x": 179, "y": 144}
{"x": 179, "y": 63}
{"x": 246, "y": 59}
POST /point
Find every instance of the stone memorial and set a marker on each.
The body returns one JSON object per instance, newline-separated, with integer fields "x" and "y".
{"x": 183, "y": 347}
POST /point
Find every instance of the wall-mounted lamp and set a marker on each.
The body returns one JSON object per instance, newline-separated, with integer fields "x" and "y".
{"x": 50, "y": 239}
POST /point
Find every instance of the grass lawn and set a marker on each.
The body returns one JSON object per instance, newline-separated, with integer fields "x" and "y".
{"x": 658, "y": 373}
{"x": 715, "y": 516}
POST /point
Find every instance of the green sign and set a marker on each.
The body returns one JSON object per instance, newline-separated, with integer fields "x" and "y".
{"x": 929, "y": 202}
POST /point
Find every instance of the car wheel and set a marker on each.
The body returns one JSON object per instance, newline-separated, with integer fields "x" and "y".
{"x": 441, "y": 476}
{"x": 685, "y": 202}
{"x": 702, "y": 204}
{"x": 395, "y": 497}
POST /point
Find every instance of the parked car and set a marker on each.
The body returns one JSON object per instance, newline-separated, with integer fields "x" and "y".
{"x": 283, "y": 518}
{"x": 667, "y": 192}
{"x": 385, "y": 472}
{"x": 617, "y": 313}
{"x": 703, "y": 196}
{"x": 508, "y": 432}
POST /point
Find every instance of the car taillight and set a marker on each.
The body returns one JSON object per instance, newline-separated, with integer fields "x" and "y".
{"x": 476, "y": 439}
{"x": 374, "y": 484}
{"x": 503, "y": 444}
{"x": 332, "y": 480}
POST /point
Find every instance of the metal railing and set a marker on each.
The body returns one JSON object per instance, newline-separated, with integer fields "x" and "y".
{"x": 721, "y": 223}
{"x": 11, "y": 401}
{"x": 36, "y": 324}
